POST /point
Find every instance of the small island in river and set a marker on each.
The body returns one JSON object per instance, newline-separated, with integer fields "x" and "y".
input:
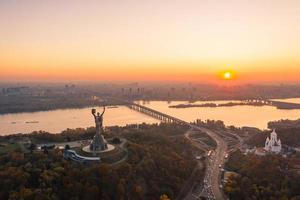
{"x": 277, "y": 104}
{"x": 212, "y": 105}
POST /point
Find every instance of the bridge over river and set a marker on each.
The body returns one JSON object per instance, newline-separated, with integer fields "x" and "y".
{"x": 156, "y": 114}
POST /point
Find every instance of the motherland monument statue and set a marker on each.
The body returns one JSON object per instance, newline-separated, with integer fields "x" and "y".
{"x": 98, "y": 143}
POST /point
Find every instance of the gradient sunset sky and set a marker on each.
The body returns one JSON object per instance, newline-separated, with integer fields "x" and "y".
{"x": 187, "y": 40}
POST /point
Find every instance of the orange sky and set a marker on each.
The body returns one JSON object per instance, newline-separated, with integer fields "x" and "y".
{"x": 191, "y": 40}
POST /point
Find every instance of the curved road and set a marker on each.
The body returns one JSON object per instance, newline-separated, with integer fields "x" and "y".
{"x": 213, "y": 172}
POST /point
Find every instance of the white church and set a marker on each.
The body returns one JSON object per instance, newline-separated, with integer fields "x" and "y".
{"x": 273, "y": 144}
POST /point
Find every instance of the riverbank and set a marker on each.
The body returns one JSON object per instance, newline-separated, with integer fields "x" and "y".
{"x": 22, "y": 104}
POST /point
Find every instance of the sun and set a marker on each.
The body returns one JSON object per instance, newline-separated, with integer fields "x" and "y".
{"x": 227, "y": 75}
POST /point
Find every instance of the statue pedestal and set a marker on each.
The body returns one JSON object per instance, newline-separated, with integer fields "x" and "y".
{"x": 88, "y": 150}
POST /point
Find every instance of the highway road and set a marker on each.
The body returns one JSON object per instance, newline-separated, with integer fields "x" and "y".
{"x": 212, "y": 181}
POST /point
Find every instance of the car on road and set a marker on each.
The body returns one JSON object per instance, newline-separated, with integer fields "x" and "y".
{"x": 198, "y": 157}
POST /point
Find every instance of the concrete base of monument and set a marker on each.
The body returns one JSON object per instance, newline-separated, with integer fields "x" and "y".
{"x": 88, "y": 150}
{"x": 115, "y": 154}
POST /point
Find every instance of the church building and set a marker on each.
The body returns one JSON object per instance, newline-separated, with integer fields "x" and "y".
{"x": 273, "y": 144}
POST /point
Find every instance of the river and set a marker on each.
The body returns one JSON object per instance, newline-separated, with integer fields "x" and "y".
{"x": 57, "y": 120}
{"x": 254, "y": 116}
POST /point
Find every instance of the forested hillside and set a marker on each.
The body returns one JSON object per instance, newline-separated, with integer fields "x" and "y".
{"x": 157, "y": 165}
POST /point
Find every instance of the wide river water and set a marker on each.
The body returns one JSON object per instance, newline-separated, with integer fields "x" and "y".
{"x": 57, "y": 120}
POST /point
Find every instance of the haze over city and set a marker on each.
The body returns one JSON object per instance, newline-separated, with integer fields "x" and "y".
{"x": 150, "y": 40}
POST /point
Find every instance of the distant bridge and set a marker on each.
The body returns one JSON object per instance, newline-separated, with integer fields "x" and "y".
{"x": 277, "y": 104}
{"x": 262, "y": 101}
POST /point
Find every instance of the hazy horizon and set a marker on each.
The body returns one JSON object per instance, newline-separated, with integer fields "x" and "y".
{"x": 177, "y": 41}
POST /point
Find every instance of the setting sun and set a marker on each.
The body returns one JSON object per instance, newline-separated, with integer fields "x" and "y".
{"x": 227, "y": 75}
